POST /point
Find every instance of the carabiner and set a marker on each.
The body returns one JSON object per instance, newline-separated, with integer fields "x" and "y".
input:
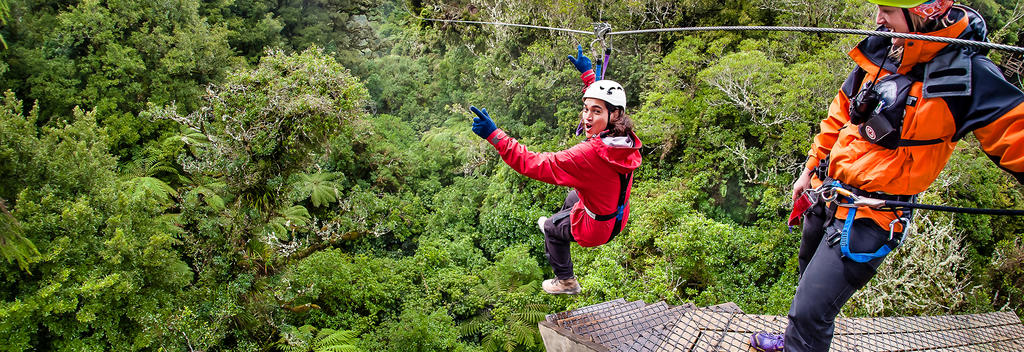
{"x": 892, "y": 226}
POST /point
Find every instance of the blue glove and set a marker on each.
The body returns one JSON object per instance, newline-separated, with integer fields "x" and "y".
{"x": 483, "y": 126}
{"x": 582, "y": 63}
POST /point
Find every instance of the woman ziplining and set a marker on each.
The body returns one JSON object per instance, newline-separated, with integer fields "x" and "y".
{"x": 599, "y": 170}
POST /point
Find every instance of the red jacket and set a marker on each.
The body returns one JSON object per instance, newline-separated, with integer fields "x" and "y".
{"x": 592, "y": 167}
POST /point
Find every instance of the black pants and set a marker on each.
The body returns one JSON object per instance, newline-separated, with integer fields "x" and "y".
{"x": 558, "y": 236}
{"x": 827, "y": 280}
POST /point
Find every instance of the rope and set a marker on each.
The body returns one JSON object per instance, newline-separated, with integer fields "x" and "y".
{"x": 899, "y": 204}
{"x": 930, "y": 38}
{"x": 954, "y": 41}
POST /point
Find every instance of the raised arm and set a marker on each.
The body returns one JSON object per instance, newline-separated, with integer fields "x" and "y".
{"x": 564, "y": 168}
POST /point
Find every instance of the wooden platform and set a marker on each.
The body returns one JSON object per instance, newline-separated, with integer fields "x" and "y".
{"x": 637, "y": 326}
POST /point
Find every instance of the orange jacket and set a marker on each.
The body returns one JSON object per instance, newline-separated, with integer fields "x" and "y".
{"x": 959, "y": 91}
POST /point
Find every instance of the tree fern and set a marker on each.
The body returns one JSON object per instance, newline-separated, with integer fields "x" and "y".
{"x": 474, "y": 326}
{"x": 150, "y": 186}
{"x": 532, "y": 313}
{"x": 287, "y": 219}
{"x": 329, "y": 340}
{"x": 189, "y": 137}
{"x": 210, "y": 197}
{"x": 489, "y": 343}
{"x": 522, "y": 334}
{"x": 14, "y": 246}
{"x": 322, "y": 187}
{"x": 5, "y": 11}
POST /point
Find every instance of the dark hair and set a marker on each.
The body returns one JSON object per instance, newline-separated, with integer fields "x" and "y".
{"x": 622, "y": 126}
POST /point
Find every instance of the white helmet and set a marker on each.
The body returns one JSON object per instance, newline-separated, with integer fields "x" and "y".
{"x": 609, "y": 91}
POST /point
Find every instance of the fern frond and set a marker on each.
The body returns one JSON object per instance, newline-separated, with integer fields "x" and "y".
{"x": 14, "y": 246}
{"x": 329, "y": 338}
{"x": 300, "y": 346}
{"x": 141, "y": 186}
{"x": 489, "y": 343}
{"x": 189, "y": 137}
{"x": 522, "y": 334}
{"x": 158, "y": 168}
{"x": 531, "y": 313}
{"x": 296, "y": 215}
{"x": 342, "y": 348}
{"x": 321, "y": 187}
{"x": 473, "y": 327}
{"x": 510, "y": 345}
{"x": 210, "y": 197}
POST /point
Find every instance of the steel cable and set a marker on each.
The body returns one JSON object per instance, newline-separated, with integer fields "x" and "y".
{"x": 930, "y": 38}
{"x": 954, "y": 41}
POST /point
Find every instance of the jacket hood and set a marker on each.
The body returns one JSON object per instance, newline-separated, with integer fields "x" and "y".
{"x": 964, "y": 23}
{"x": 623, "y": 153}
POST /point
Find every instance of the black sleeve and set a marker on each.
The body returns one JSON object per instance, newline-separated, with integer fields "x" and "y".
{"x": 991, "y": 97}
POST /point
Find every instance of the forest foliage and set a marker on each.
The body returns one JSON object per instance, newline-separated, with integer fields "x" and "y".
{"x": 301, "y": 175}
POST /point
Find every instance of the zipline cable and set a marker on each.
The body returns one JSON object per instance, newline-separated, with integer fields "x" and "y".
{"x": 954, "y": 41}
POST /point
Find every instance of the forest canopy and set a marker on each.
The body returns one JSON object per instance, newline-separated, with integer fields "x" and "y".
{"x": 301, "y": 175}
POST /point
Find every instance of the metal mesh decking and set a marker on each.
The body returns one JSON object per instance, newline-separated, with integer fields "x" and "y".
{"x": 634, "y": 326}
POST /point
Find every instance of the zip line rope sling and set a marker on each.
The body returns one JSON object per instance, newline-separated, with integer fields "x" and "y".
{"x": 602, "y": 30}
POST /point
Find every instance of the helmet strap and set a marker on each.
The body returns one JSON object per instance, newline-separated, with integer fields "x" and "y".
{"x": 610, "y": 109}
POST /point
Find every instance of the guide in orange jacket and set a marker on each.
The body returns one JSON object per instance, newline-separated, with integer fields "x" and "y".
{"x": 889, "y": 132}
{"x": 599, "y": 169}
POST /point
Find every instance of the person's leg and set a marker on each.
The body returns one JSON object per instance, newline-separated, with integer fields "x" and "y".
{"x": 813, "y": 229}
{"x": 558, "y": 237}
{"x": 828, "y": 282}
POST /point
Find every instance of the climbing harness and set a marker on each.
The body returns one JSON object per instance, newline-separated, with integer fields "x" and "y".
{"x": 834, "y": 191}
{"x": 853, "y": 199}
{"x": 620, "y": 207}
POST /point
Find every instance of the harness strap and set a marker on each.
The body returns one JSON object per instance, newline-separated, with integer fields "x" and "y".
{"x": 844, "y": 243}
{"x": 844, "y": 238}
{"x": 620, "y": 209}
{"x": 918, "y": 142}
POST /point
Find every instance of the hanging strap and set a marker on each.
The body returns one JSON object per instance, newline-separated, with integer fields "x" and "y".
{"x": 844, "y": 241}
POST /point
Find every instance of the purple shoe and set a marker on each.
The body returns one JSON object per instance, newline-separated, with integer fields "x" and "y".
{"x": 766, "y": 342}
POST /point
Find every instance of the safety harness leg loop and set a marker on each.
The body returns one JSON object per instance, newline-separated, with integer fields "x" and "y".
{"x": 847, "y": 198}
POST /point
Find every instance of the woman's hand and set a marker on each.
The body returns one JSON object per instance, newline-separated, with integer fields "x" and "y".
{"x": 802, "y": 183}
{"x": 582, "y": 62}
{"x": 483, "y": 126}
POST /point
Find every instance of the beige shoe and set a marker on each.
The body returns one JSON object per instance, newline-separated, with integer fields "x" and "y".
{"x": 558, "y": 287}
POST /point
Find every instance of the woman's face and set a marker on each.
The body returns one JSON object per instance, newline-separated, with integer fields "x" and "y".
{"x": 893, "y": 19}
{"x": 594, "y": 116}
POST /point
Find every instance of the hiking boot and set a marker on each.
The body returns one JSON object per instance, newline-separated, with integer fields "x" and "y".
{"x": 766, "y": 342}
{"x": 540, "y": 223}
{"x": 558, "y": 287}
